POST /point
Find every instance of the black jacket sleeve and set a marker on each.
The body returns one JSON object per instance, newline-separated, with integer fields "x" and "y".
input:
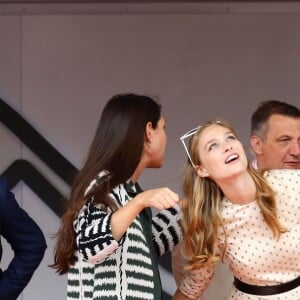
{"x": 26, "y": 240}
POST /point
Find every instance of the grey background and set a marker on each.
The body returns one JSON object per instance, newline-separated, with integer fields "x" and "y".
{"x": 60, "y": 63}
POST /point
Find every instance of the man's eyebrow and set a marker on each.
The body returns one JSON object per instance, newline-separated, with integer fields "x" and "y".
{"x": 284, "y": 136}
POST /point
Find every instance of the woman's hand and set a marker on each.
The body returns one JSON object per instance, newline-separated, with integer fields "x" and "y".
{"x": 160, "y": 198}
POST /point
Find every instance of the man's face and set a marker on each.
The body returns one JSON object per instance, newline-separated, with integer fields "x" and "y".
{"x": 281, "y": 147}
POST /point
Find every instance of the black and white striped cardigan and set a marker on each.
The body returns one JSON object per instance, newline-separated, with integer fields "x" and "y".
{"x": 107, "y": 269}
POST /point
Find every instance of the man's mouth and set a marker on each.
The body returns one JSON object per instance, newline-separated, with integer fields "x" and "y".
{"x": 295, "y": 164}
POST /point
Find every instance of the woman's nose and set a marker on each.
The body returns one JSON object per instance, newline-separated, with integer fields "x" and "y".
{"x": 227, "y": 147}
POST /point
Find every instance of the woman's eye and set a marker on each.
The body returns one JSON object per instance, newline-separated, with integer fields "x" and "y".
{"x": 212, "y": 146}
{"x": 231, "y": 137}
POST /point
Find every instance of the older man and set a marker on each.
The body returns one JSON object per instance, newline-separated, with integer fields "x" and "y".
{"x": 275, "y": 135}
{"x": 275, "y": 140}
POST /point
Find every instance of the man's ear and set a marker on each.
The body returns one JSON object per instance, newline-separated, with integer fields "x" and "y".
{"x": 201, "y": 171}
{"x": 256, "y": 144}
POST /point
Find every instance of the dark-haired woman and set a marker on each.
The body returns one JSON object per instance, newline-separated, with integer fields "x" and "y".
{"x": 108, "y": 241}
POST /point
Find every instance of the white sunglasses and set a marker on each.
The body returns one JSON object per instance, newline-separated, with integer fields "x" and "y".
{"x": 184, "y": 137}
{"x": 188, "y": 135}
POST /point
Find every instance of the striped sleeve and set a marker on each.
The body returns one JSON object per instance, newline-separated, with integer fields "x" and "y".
{"x": 93, "y": 234}
{"x": 166, "y": 230}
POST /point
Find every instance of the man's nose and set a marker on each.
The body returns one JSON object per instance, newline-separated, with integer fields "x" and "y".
{"x": 295, "y": 148}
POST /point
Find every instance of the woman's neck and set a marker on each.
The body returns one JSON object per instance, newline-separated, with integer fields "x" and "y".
{"x": 240, "y": 189}
{"x": 136, "y": 174}
{"x": 139, "y": 169}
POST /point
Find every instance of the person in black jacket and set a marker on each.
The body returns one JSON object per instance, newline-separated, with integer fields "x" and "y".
{"x": 26, "y": 240}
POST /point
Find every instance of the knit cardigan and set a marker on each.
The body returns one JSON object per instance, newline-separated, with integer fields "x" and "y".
{"x": 126, "y": 270}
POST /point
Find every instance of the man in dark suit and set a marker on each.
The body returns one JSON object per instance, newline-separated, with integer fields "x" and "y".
{"x": 26, "y": 240}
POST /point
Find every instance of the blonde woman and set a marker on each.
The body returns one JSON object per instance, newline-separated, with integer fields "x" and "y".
{"x": 249, "y": 220}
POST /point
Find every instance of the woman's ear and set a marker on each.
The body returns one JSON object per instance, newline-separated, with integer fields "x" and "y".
{"x": 201, "y": 171}
{"x": 149, "y": 132}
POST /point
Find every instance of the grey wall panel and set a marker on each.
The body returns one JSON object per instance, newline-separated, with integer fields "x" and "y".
{"x": 58, "y": 70}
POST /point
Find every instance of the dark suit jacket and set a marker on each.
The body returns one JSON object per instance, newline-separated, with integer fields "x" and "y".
{"x": 26, "y": 240}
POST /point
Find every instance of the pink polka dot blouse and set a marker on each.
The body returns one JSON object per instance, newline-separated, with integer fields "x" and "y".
{"x": 252, "y": 253}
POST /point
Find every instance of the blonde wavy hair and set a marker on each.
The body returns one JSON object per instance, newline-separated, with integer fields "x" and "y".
{"x": 202, "y": 214}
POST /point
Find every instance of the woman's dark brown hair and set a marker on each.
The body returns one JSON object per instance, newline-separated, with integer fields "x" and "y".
{"x": 116, "y": 148}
